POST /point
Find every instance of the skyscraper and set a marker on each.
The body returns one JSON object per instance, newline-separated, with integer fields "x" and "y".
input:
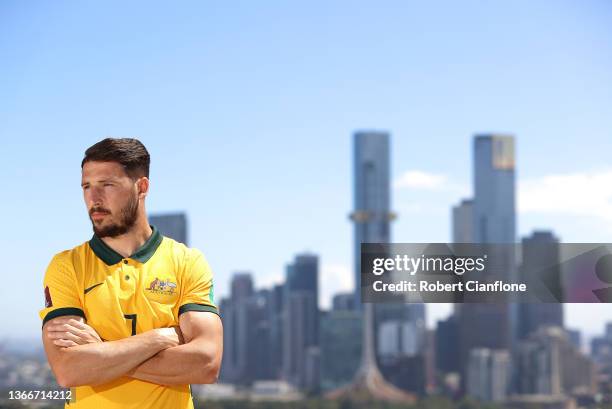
{"x": 491, "y": 326}
{"x": 494, "y": 198}
{"x": 252, "y": 341}
{"x": 549, "y": 363}
{"x": 371, "y": 217}
{"x": 340, "y": 345}
{"x": 344, "y": 301}
{"x": 173, "y": 225}
{"x": 541, "y": 258}
{"x": 301, "y": 325}
{"x": 462, "y": 217}
{"x": 241, "y": 286}
{"x": 488, "y": 372}
{"x": 277, "y": 307}
{"x": 447, "y": 359}
{"x": 238, "y": 330}
{"x": 372, "y": 195}
{"x": 463, "y": 222}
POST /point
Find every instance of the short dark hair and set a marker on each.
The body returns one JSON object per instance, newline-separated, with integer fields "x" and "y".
{"x": 128, "y": 152}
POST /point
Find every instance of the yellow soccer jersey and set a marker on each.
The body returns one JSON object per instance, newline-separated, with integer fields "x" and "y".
{"x": 120, "y": 297}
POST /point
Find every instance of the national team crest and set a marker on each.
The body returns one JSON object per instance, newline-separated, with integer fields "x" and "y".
{"x": 164, "y": 286}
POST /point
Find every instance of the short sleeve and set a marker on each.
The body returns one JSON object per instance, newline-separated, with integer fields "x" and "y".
{"x": 198, "y": 287}
{"x": 60, "y": 290}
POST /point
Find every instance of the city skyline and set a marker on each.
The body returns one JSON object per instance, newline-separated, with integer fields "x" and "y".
{"x": 439, "y": 311}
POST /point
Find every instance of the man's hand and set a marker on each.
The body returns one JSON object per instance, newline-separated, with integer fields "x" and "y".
{"x": 68, "y": 332}
{"x": 78, "y": 356}
{"x": 196, "y": 361}
{"x": 172, "y": 336}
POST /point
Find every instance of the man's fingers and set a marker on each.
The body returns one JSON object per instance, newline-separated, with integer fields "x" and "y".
{"x": 71, "y": 332}
{"x": 64, "y": 335}
{"x": 55, "y": 335}
{"x": 78, "y": 324}
{"x": 81, "y": 326}
{"x": 64, "y": 320}
{"x": 72, "y": 337}
{"x": 65, "y": 331}
{"x": 64, "y": 328}
{"x": 64, "y": 343}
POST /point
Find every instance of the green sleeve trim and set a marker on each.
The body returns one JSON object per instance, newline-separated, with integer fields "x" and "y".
{"x": 198, "y": 307}
{"x": 60, "y": 312}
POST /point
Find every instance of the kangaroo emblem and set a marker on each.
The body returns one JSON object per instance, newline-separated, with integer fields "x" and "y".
{"x": 154, "y": 284}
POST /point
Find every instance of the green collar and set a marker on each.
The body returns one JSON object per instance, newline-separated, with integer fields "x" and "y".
{"x": 110, "y": 256}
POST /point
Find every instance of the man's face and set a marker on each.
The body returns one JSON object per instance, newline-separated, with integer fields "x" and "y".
{"x": 111, "y": 197}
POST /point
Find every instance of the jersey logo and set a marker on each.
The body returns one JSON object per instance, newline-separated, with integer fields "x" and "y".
{"x": 165, "y": 287}
{"x": 48, "y": 301}
{"x": 92, "y": 287}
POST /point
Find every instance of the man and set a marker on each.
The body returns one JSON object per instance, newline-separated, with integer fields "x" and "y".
{"x": 111, "y": 331}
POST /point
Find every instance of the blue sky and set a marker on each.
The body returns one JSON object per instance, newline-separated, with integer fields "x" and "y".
{"x": 248, "y": 108}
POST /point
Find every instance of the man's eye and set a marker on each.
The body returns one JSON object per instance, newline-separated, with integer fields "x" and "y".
{"x": 108, "y": 184}
{"x": 85, "y": 187}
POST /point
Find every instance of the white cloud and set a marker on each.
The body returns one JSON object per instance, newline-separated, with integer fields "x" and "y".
{"x": 587, "y": 193}
{"x": 418, "y": 179}
{"x": 577, "y": 194}
{"x": 437, "y": 193}
{"x": 434, "y": 182}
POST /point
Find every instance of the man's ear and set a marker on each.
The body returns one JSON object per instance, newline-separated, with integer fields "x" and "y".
{"x": 143, "y": 186}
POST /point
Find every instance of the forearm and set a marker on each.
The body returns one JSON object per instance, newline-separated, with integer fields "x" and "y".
{"x": 193, "y": 362}
{"x": 97, "y": 363}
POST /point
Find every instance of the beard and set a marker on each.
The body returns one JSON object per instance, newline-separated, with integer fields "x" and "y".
{"x": 127, "y": 218}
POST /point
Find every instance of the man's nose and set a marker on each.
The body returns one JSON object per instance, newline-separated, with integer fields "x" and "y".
{"x": 95, "y": 197}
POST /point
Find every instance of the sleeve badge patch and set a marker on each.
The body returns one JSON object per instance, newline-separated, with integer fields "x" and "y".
{"x": 48, "y": 302}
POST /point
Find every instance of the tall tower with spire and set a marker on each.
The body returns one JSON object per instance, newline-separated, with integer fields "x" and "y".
{"x": 371, "y": 217}
{"x": 372, "y": 195}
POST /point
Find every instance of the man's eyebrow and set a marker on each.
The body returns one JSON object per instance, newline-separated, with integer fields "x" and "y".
{"x": 109, "y": 179}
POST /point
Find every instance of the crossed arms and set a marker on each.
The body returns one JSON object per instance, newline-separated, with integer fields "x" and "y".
{"x": 166, "y": 356}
